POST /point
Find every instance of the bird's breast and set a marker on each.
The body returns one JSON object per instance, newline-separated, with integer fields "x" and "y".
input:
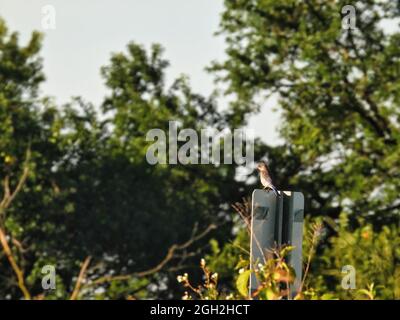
{"x": 266, "y": 181}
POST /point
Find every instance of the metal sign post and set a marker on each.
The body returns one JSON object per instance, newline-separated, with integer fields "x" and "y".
{"x": 277, "y": 221}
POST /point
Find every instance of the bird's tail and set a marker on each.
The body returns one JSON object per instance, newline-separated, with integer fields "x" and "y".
{"x": 274, "y": 190}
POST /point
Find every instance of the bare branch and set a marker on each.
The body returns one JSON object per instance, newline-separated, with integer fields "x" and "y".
{"x": 317, "y": 227}
{"x": 21, "y": 181}
{"x": 244, "y": 210}
{"x": 171, "y": 254}
{"x": 18, "y": 272}
{"x": 8, "y": 198}
{"x": 80, "y": 279}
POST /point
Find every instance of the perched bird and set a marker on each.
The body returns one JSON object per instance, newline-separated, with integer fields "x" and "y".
{"x": 265, "y": 177}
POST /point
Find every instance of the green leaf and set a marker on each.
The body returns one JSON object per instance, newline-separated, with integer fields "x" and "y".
{"x": 243, "y": 263}
{"x": 242, "y": 283}
{"x": 328, "y": 296}
{"x": 286, "y": 250}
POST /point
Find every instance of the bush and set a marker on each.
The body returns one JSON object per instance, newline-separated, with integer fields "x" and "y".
{"x": 331, "y": 250}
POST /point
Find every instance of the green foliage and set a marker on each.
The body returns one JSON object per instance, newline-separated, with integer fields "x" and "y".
{"x": 229, "y": 257}
{"x": 338, "y": 92}
{"x": 274, "y": 277}
{"x": 90, "y": 191}
{"x": 374, "y": 254}
{"x": 205, "y": 291}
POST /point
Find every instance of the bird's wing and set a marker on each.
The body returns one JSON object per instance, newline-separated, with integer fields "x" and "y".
{"x": 274, "y": 190}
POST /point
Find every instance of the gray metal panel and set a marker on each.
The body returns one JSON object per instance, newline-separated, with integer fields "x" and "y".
{"x": 296, "y": 219}
{"x": 277, "y": 221}
{"x": 262, "y": 229}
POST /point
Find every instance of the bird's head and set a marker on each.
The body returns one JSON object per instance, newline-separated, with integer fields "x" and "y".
{"x": 261, "y": 166}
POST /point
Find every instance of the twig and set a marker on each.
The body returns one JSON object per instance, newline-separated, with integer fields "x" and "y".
{"x": 168, "y": 257}
{"x": 244, "y": 210}
{"x": 8, "y": 198}
{"x": 80, "y": 279}
{"x": 14, "y": 265}
{"x": 317, "y": 231}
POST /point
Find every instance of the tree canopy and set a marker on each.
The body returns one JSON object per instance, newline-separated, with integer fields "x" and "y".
{"x": 90, "y": 190}
{"x": 338, "y": 92}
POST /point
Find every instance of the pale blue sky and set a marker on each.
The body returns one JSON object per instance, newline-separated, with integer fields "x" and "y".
{"x": 88, "y": 31}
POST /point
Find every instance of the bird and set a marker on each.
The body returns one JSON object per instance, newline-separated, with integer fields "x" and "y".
{"x": 265, "y": 177}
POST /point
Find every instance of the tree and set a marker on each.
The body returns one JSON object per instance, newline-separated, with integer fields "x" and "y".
{"x": 338, "y": 91}
{"x": 89, "y": 190}
{"x": 20, "y": 132}
{"x": 162, "y": 200}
